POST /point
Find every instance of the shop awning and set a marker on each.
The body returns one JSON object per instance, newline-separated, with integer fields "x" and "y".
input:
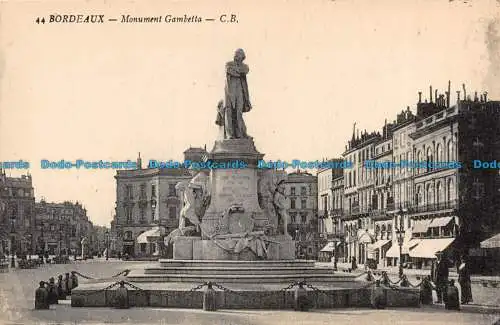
{"x": 420, "y": 226}
{"x": 378, "y": 244}
{"x": 408, "y": 245}
{"x": 493, "y": 242}
{"x": 145, "y": 236}
{"x": 330, "y": 247}
{"x": 428, "y": 248}
{"x": 365, "y": 237}
{"x": 441, "y": 222}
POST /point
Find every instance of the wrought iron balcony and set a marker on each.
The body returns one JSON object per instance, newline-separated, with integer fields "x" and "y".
{"x": 435, "y": 206}
{"x": 336, "y": 212}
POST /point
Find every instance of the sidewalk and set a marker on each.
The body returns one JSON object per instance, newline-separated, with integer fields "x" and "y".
{"x": 412, "y": 272}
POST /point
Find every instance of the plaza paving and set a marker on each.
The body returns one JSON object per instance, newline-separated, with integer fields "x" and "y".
{"x": 17, "y": 302}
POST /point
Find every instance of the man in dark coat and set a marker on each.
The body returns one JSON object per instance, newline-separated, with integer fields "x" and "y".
{"x": 464, "y": 281}
{"x": 442, "y": 274}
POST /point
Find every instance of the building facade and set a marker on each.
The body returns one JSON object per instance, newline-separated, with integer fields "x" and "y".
{"x": 330, "y": 205}
{"x": 17, "y": 200}
{"x": 415, "y": 191}
{"x": 301, "y": 190}
{"x": 148, "y": 204}
{"x": 61, "y": 227}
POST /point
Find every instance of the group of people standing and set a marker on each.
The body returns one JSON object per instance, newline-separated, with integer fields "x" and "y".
{"x": 440, "y": 276}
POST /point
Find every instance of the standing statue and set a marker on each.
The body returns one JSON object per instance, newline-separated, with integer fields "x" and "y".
{"x": 279, "y": 201}
{"x": 237, "y": 100}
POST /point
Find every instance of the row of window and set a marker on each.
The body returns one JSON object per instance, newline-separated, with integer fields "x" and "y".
{"x": 18, "y": 192}
{"x": 298, "y": 218}
{"x": 303, "y": 190}
{"x": 293, "y": 205}
{"x": 129, "y": 190}
{"x": 172, "y": 213}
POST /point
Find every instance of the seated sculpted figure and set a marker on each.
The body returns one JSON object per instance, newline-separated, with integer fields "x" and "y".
{"x": 195, "y": 199}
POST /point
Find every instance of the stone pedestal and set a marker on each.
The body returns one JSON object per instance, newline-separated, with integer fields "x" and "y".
{"x": 234, "y": 186}
{"x": 195, "y": 248}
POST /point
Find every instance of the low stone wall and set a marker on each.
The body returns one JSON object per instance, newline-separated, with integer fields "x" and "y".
{"x": 275, "y": 299}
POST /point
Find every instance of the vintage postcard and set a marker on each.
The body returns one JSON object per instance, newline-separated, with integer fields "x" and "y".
{"x": 250, "y": 162}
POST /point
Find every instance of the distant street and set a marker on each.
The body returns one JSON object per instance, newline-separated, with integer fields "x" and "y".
{"x": 17, "y": 306}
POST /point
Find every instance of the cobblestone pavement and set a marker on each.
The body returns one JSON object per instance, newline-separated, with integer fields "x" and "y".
{"x": 17, "y": 301}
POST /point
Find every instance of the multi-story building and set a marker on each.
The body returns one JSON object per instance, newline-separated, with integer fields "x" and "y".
{"x": 453, "y": 205}
{"x": 148, "y": 206}
{"x": 330, "y": 203}
{"x": 17, "y": 199}
{"x": 424, "y": 195}
{"x": 61, "y": 227}
{"x": 301, "y": 189}
{"x": 359, "y": 193}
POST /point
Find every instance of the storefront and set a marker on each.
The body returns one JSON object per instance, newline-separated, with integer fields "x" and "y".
{"x": 378, "y": 250}
{"x": 327, "y": 252}
{"x": 149, "y": 242}
{"x": 425, "y": 252}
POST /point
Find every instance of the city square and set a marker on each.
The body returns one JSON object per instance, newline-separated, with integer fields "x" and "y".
{"x": 386, "y": 209}
{"x": 17, "y": 293}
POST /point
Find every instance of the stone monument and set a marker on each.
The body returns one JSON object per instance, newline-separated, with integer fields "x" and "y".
{"x": 232, "y": 233}
{"x": 227, "y": 219}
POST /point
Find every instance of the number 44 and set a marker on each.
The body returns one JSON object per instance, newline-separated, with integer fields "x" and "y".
{"x": 38, "y": 20}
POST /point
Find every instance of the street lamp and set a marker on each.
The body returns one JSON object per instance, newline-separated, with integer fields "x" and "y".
{"x": 12, "y": 244}
{"x": 106, "y": 238}
{"x": 30, "y": 250}
{"x": 400, "y": 233}
{"x": 297, "y": 247}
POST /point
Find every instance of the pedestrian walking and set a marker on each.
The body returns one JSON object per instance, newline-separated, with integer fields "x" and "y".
{"x": 61, "y": 292}
{"x": 68, "y": 284}
{"x": 53, "y": 296}
{"x": 442, "y": 274}
{"x": 464, "y": 281}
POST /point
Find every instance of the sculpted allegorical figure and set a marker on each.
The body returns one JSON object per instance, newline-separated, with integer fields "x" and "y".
{"x": 279, "y": 201}
{"x": 196, "y": 199}
{"x": 237, "y": 99}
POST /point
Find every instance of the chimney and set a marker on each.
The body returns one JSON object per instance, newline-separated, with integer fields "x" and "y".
{"x": 448, "y": 94}
{"x": 465, "y": 93}
{"x": 430, "y": 94}
{"x": 436, "y": 96}
{"x": 419, "y": 97}
{"x": 458, "y": 96}
{"x": 139, "y": 161}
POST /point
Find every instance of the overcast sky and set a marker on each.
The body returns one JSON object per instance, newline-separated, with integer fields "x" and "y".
{"x": 108, "y": 91}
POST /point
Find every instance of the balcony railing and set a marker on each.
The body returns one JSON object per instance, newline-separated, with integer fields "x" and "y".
{"x": 435, "y": 206}
{"x": 336, "y": 212}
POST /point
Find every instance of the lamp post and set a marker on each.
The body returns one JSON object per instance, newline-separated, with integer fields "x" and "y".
{"x": 30, "y": 250}
{"x": 400, "y": 233}
{"x": 106, "y": 238}
{"x": 12, "y": 244}
{"x": 297, "y": 246}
